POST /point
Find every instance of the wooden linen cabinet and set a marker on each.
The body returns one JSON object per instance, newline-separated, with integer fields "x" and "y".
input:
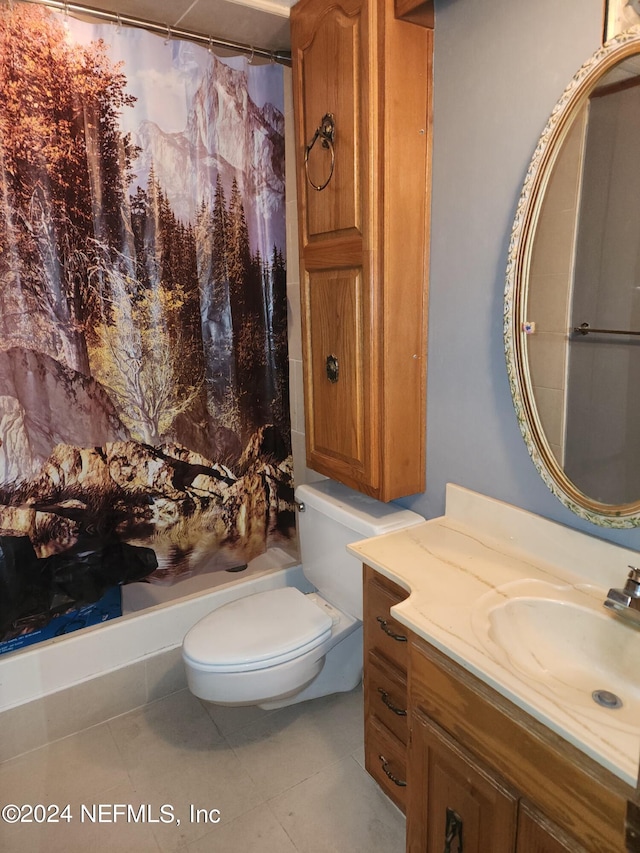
{"x": 362, "y": 106}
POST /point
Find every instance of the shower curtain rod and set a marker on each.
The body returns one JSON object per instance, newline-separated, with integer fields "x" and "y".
{"x": 279, "y": 56}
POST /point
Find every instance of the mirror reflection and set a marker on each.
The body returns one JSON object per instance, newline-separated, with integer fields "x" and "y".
{"x": 583, "y": 294}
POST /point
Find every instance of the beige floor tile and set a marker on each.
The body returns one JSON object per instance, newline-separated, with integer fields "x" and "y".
{"x": 283, "y": 781}
{"x": 164, "y": 737}
{"x": 175, "y": 756}
{"x": 218, "y": 787}
{"x": 340, "y": 810}
{"x": 229, "y": 719}
{"x": 258, "y": 831}
{"x": 93, "y": 825}
{"x": 289, "y": 746}
{"x": 358, "y": 754}
{"x": 84, "y": 764}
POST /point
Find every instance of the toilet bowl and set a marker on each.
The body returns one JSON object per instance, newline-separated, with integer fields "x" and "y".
{"x": 269, "y": 647}
{"x": 282, "y": 646}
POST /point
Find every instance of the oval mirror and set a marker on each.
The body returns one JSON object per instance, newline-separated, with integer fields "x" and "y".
{"x": 572, "y": 299}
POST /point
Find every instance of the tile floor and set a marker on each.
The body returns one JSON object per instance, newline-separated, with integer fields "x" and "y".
{"x": 282, "y": 781}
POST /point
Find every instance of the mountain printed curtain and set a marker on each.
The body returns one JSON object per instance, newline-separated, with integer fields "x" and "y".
{"x": 144, "y": 413}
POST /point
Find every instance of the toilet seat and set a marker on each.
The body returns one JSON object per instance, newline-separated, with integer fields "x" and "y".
{"x": 257, "y": 632}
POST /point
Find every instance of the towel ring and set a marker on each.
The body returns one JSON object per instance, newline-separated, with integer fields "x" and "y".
{"x": 325, "y": 132}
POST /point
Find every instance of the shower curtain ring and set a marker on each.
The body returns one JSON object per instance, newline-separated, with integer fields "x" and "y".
{"x": 253, "y": 51}
{"x": 168, "y": 36}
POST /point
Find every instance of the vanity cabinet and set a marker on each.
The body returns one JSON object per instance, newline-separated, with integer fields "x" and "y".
{"x": 362, "y": 110}
{"x": 464, "y": 762}
{"x": 385, "y": 687}
{"x": 506, "y": 777}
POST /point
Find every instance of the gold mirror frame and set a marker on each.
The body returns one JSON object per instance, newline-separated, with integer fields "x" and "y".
{"x": 522, "y": 237}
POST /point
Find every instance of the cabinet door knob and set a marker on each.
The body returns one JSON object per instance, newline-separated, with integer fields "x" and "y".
{"x": 325, "y": 132}
{"x": 384, "y": 626}
{"x": 332, "y": 368}
{"x": 453, "y": 832}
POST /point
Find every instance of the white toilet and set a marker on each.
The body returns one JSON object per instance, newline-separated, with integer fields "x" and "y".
{"x": 283, "y": 646}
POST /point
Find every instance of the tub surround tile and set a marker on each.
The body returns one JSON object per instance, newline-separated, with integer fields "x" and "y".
{"x": 92, "y": 702}
{"x": 23, "y": 728}
{"x": 165, "y": 674}
{"x": 75, "y": 709}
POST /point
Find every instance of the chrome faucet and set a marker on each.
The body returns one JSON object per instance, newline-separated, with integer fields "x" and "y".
{"x": 626, "y": 601}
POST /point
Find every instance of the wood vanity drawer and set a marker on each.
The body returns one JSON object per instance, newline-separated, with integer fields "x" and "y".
{"x": 386, "y": 761}
{"x": 385, "y": 694}
{"x": 381, "y": 631}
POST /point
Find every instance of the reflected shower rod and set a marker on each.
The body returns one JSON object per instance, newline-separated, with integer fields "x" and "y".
{"x": 585, "y": 329}
{"x": 279, "y": 56}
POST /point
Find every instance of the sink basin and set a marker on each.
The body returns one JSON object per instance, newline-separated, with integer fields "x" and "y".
{"x": 564, "y": 640}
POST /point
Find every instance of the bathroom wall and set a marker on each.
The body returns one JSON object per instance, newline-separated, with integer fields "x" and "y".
{"x": 500, "y": 67}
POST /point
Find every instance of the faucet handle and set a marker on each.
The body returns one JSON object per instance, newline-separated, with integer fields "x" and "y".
{"x": 632, "y": 586}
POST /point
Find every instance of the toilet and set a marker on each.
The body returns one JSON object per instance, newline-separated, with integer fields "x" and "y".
{"x": 284, "y": 646}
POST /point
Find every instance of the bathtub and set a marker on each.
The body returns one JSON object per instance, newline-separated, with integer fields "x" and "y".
{"x": 155, "y": 618}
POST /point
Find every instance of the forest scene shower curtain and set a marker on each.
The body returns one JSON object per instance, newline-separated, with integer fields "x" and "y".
{"x": 144, "y": 411}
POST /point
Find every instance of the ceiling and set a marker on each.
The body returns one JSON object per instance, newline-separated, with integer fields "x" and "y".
{"x": 260, "y": 23}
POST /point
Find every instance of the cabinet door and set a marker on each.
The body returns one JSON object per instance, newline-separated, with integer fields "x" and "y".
{"x": 464, "y": 806}
{"x": 327, "y": 39}
{"x": 336, "y": 369}
{"x": 536, "y": 834}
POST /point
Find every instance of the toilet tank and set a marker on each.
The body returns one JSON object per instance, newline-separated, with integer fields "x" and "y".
{"x": 333, "y": 517}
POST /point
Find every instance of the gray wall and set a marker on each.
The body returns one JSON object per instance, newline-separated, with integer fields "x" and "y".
{"x": 500, "y": 66}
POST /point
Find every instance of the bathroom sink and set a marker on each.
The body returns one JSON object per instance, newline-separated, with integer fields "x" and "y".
{"x": 563, "y": 639}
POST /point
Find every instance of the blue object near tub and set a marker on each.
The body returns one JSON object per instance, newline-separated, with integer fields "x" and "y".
{"x": 107, "y": 607}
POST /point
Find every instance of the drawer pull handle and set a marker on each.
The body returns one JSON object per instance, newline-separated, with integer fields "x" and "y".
{"x": 401, "y": 712}
{"x": 394, "y": 779}
{"x": 384, "y": 625}
{"x": 453, "y": 832}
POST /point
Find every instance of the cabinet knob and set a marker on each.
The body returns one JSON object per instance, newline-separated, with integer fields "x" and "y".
{"x": 332, "y": 366}
{"x": 325, "y": 132}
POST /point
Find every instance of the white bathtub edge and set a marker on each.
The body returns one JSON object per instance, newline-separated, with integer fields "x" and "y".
{"x": 64, "y": 662}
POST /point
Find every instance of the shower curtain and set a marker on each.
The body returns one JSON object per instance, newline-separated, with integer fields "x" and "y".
{"x": 144, "y": 415}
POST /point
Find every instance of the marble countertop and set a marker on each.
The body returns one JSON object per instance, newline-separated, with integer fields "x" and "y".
{"x": 455, "y": 566}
